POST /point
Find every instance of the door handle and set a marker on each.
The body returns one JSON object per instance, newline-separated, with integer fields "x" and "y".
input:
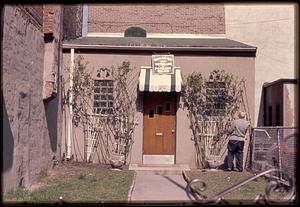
{"x": 173, "y": 130}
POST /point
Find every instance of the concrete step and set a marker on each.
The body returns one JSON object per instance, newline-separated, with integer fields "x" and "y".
{"x": 159, "y": 169}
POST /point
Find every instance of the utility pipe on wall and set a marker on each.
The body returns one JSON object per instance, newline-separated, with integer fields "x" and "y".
{"x": 70, "y": 126}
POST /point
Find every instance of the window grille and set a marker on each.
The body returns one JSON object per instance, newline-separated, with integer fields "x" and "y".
{"x": 103, "y": 96}
{"x": 215, "y": 98}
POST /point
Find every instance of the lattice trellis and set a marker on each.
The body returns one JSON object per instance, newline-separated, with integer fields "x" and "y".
{"x": 218, "y": 101}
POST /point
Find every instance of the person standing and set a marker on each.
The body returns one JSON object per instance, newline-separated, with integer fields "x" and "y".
{"x": 236, "y": 141}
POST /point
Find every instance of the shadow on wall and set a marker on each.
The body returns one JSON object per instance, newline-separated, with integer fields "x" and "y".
{"x": 51, "y": 111}
{"x": 8, "y": 140}
{"x": 179, "y": 104}
{"x": 261, "y": 114}
{"x": 139, "y": 101}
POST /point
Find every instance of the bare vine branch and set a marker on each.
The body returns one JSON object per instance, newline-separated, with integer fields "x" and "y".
{"x": 212, "y": 104}
{"x": 118, "y": 125}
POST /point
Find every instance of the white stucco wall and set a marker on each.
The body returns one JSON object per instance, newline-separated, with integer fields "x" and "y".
{"x": 271, "y": 28}
{"x": 289, "y": 91}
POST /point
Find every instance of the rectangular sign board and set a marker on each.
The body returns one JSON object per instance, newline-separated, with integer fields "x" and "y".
{"x": 163, "y": 64}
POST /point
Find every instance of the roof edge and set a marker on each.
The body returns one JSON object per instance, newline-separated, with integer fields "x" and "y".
{"x": 109, "y": 47}
{"x": 281, "y": 80}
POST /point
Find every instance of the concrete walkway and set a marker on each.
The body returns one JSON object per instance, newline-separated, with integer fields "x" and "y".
{"x": 154, "y": 187}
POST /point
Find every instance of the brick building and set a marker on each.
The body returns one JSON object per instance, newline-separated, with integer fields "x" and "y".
{"x": 72, "y": 23}
{"x": 31, "y": 53}
{"x": 164, "y": 19}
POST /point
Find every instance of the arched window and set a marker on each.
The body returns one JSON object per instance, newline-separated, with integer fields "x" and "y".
{"x": 135, "y": 32}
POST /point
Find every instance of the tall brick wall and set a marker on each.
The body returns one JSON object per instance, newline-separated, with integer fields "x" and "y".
{"x": 35, "y": 12}
{"x": 31, "y": 132}
{"x": 52, "y": 29}
{"x": 157, "y": 18}
{"x": 48, "y": 19}
{"x": 72, "y": 21}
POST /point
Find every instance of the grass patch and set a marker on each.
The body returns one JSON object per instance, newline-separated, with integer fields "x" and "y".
{"x": 219, "y": 181}
{"x": 17, "y": 194}
{"x": 93, "y": 185}
{"x": 43, "y": 174}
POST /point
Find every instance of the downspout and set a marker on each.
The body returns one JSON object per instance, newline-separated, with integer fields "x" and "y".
{"x": 2, "y": 40}
{"x": 70, "y": 125}
{"x": 85, "y": 16}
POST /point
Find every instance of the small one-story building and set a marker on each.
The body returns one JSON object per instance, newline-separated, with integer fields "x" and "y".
{"x": 274, "y": 144}
{"x": 279, "y": 102}
{"x": 162, "y": 134}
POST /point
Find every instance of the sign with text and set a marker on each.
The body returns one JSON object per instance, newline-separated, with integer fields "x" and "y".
{"x": 163, "y": 64}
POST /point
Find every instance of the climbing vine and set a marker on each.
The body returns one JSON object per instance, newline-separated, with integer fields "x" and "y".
{"x": 110, "y": 132}
{"x": 212, "y": 103}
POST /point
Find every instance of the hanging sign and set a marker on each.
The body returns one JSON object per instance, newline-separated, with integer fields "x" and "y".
{"x": 163, "y": 64}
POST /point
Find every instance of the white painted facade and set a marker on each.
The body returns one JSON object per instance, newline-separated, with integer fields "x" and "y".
{"x": 270, "y": 28}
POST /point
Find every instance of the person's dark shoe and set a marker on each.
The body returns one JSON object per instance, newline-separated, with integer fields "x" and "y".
{"x": 228, "y": 169}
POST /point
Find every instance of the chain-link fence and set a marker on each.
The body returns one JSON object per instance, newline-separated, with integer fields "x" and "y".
{"x": 274, "y": 147}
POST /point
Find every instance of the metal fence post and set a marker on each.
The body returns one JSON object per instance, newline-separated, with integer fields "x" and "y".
{"x": 282, "y": 154}
{"x": 253, "y": 147}
{"x": 279, "y": 152}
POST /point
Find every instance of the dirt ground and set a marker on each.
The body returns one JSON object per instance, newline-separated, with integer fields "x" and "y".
{"x": 64, "y": 171}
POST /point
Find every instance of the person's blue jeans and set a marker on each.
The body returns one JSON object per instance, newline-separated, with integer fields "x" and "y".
{"x": 235, "y": 148}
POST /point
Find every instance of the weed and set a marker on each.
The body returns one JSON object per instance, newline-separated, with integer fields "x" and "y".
{"x": 17, "y": 194}
{"x": 81, "y": 176}
{"x": 43, "y": 174}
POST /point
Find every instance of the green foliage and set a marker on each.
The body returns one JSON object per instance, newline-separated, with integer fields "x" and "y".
{"x": 17, "y": 194}
{"x": 43, "y": 174}
{"x": 213, "y": 100}
{"x": 194, "y": 94}
{"x": 122, "y": 120}
{"x": 98, "y": 185}
{"x": 81, "y": 176}
{"x": 82, "y": 87}
{"x": 116, "y": 127}
{"x": 218, "y": 181}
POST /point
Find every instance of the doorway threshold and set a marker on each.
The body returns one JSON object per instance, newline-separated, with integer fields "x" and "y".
{"x": 158, "y": 159}
{"x": 160, "y": 169}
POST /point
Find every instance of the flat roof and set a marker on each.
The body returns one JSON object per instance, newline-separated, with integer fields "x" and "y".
{"x": 170, "y": 44}
{"x": 281, "y": 81}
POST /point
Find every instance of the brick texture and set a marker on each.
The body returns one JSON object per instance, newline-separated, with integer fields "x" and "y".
{"x": 31, "y": 134}
{"x": 36, "y": 12}
{"x": 48, "y": 19}
{"x": 158, "y": 18}
{"x": 72, "y": 21}
{"x": 52, "y": 36}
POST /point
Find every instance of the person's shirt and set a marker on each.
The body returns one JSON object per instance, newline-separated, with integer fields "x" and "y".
{"x": 239, "y": 129}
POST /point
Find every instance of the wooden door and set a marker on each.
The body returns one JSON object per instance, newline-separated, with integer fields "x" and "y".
{"x": 159, "y": 123}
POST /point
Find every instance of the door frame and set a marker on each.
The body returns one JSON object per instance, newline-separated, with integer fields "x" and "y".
{"x": 155, "y": 159}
